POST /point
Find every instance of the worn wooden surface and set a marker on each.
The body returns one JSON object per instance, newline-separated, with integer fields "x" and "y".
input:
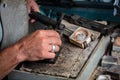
{"x": 69, "y": 63}
{"x": 94, "y": 59}
{"x": 14, "y": 19}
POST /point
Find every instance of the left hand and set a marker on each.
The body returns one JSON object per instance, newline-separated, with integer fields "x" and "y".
{"x": 32, "y": 5}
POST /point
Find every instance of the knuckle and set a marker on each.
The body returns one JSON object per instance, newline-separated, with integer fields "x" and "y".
{"x": 55, "y": 32}
{"x": 43, "y": 40}
{"x": 39, "y": 32}
{"x": 59, "y": 42}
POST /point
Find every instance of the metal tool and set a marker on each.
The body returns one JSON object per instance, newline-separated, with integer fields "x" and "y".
{"x": 77, "y": 20}
{"x": 90, "y": 24}
{"x": 49, "y": 22}
{"x": 82, "y": 37}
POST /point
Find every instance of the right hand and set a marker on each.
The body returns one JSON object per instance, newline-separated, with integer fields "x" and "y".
{"x": 38, "y": 45}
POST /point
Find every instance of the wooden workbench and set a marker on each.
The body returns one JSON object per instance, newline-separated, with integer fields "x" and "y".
{"x": 70, "y": 61}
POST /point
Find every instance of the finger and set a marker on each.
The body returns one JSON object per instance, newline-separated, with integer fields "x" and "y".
{"x": 32, "y": 20}
{"x": 51, "y": 33}
{"x": 35, "y": 7}
{"x": 48, "y": 55}
{"x": 54, "y": 40}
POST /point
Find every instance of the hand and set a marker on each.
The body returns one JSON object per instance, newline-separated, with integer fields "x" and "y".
{"x": 32, "y": 5}
{"x": 38, "y": 45}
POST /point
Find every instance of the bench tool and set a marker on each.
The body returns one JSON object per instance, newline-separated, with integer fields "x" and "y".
{"x": 80, "y": 37}
{"x": 49, "y": 22}
{"x": 84, "y": 33}
{"x": 90, "y": 24}
{"x": 87, "y": 26}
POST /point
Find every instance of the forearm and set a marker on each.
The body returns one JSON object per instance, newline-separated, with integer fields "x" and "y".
{"x": 9, "y": 60}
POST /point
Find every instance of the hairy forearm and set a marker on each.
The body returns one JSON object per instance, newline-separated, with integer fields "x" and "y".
{"x": 8, "y": 60}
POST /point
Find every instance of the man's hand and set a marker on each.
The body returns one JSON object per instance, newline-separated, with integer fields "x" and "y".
{"x": 32, "y": 5}
{"x": 38, "y": 45}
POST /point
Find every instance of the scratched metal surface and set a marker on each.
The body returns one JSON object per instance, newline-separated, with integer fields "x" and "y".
{"x": 69, "y": 63}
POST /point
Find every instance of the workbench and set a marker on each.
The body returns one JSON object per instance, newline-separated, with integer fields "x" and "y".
{"x": 73, "y": 63}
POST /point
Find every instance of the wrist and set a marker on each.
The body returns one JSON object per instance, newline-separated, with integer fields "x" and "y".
{"x": 20, "y": 56}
